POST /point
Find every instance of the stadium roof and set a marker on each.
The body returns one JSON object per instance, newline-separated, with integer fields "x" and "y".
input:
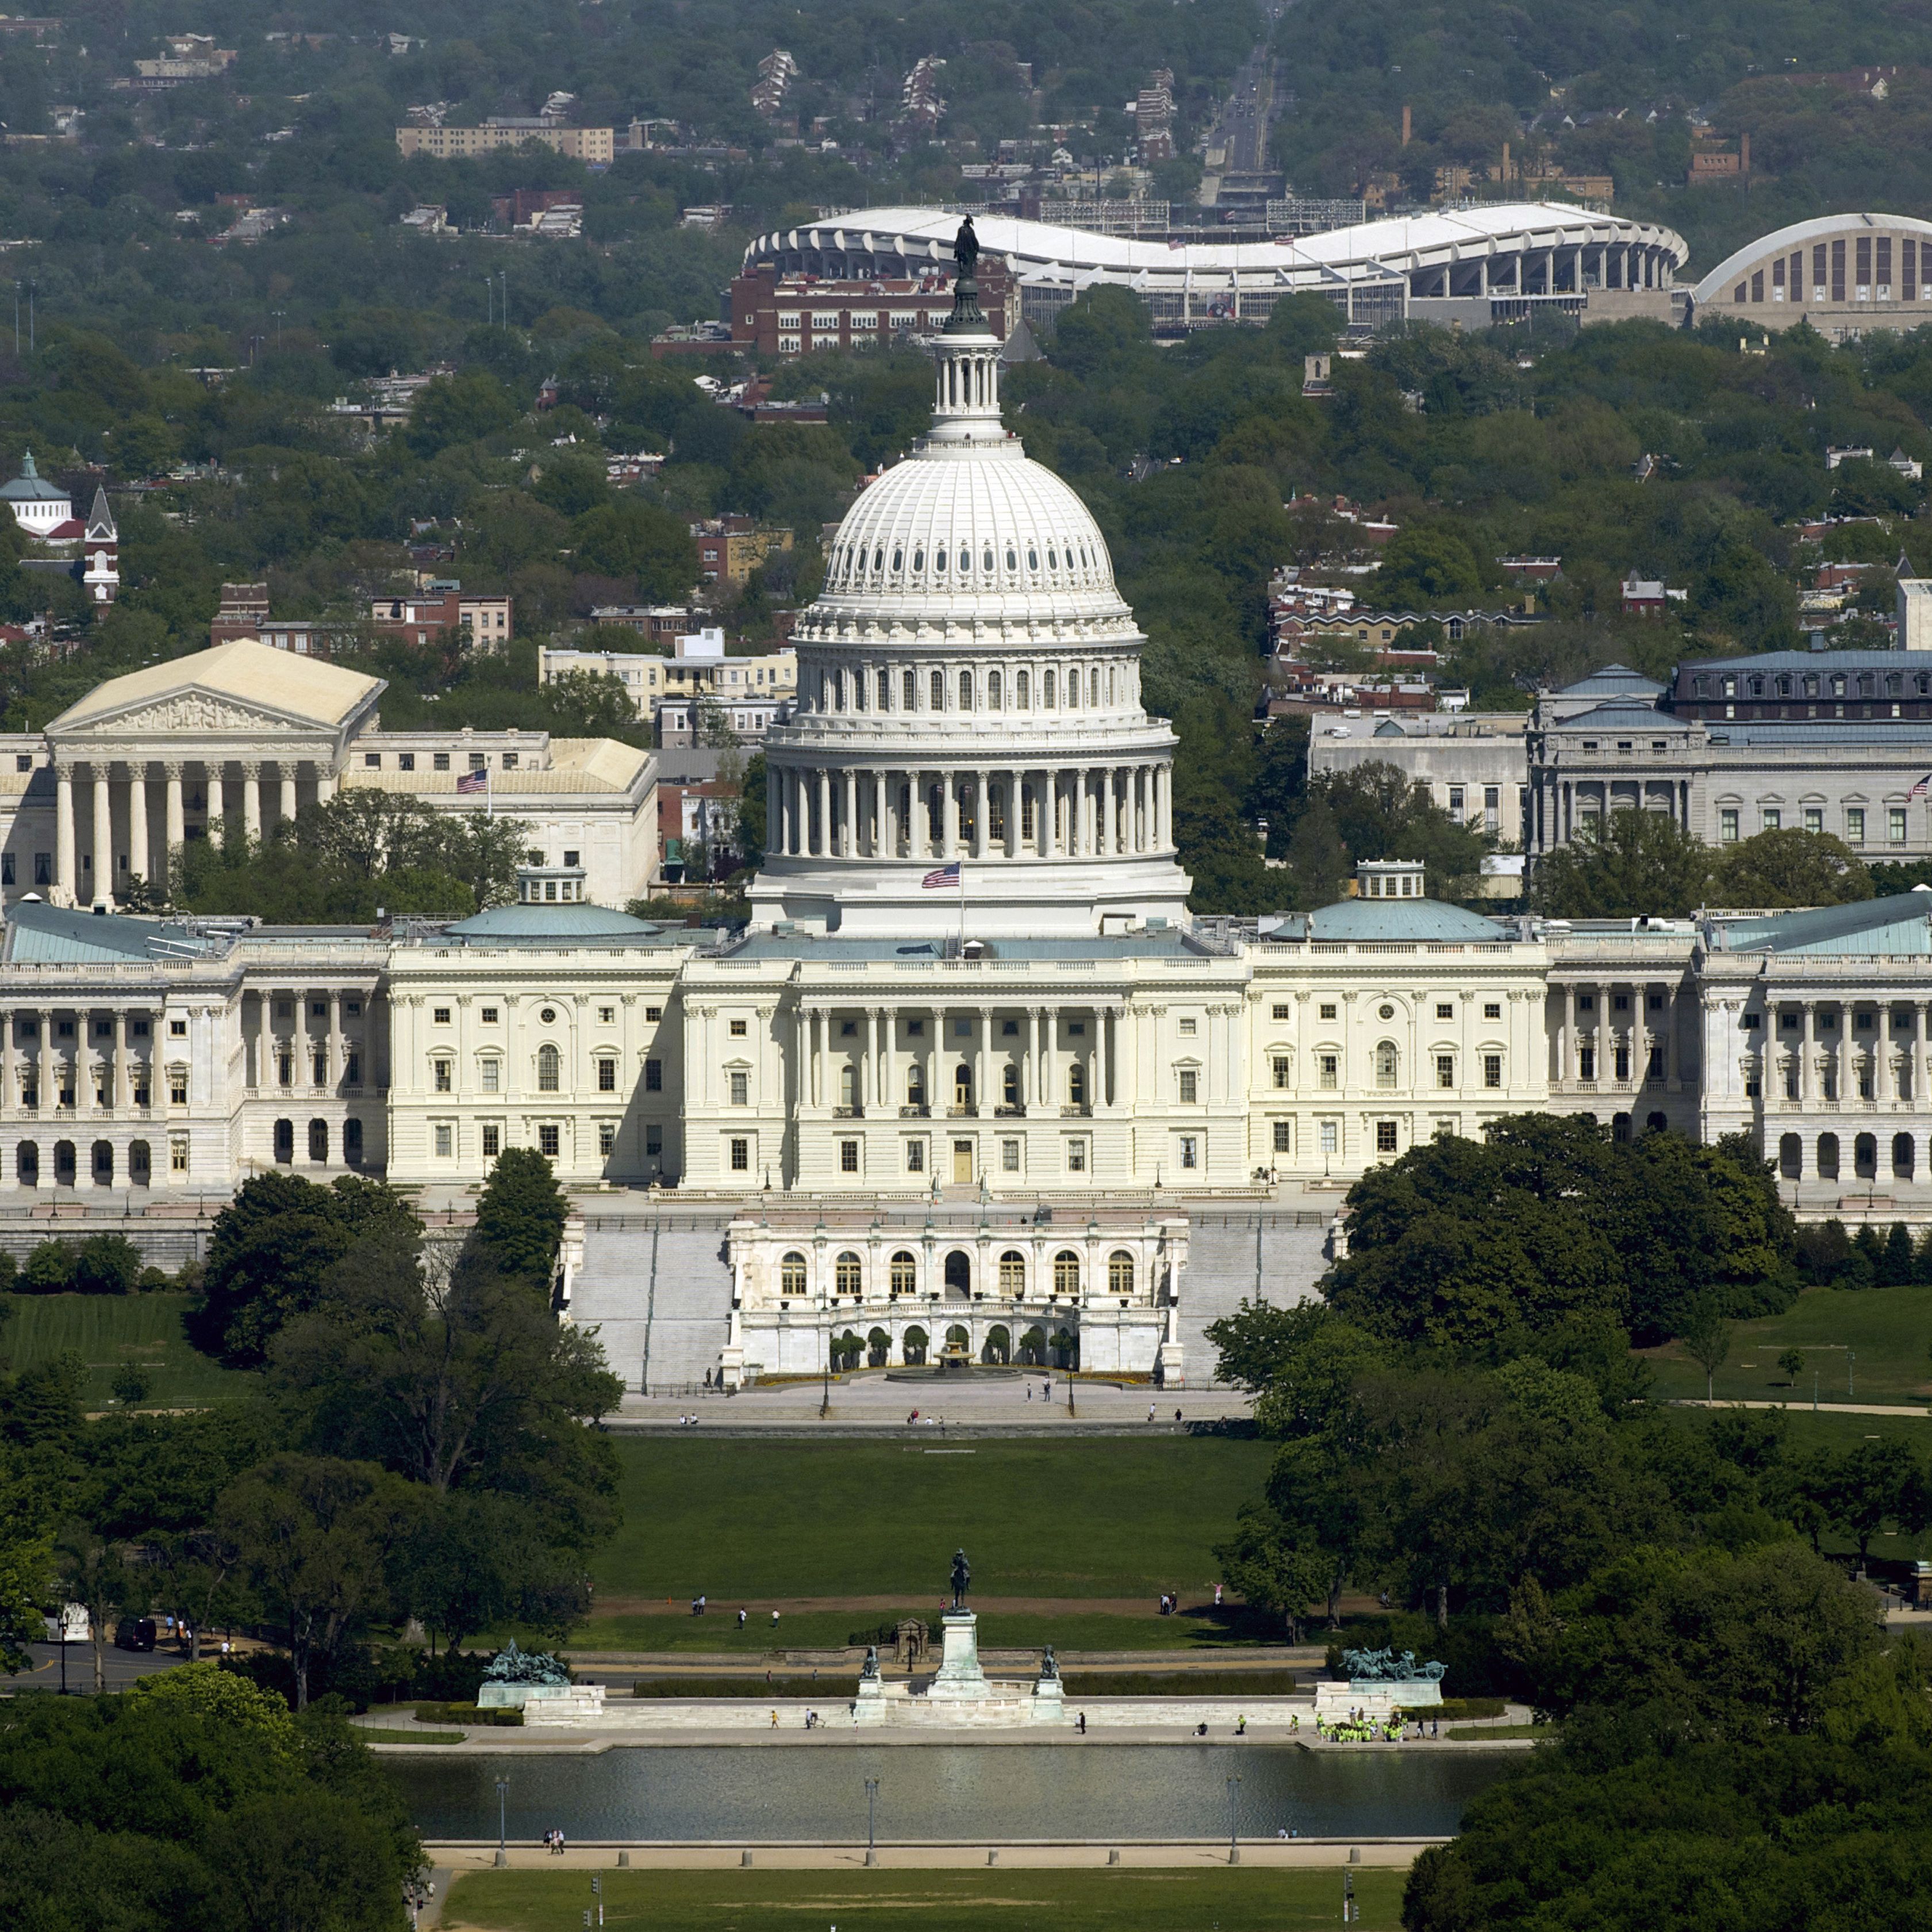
{"x": 1041, "y": 251}
{"x": 1825, "y": 226}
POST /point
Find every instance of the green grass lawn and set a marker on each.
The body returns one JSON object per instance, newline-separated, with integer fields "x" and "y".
{"x": 1089, "y": 1517}
{"x": 108, "y": 1330}
{"x": 818, "y": 1630}
{"x": 1119, "y": 1900}
{"x": 1888, "y": 1329}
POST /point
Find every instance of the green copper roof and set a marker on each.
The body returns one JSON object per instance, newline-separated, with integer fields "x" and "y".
{"x": 1899, "y": 927}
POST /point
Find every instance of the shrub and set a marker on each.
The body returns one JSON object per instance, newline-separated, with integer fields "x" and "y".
{"x": 107, "y": 1264}
{"x": 466, "y": 1714}
{"x": 49, "y": 1269}
{"x": 1456, "y": 1710}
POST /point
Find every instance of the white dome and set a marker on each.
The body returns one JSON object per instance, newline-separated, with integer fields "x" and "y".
{"x": 970, "y": 529}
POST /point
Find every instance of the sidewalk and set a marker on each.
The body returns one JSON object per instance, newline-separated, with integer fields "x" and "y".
{"x": 867, "y": 1404}
{"x": 460, "y": 1856}
{"x": 1804, "y": 1408}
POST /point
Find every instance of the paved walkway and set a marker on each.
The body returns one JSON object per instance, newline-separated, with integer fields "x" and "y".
{"x": 1919, "y": 1409}
{"x": 972, "y": 1404}
{"x": 459, "y": 1857}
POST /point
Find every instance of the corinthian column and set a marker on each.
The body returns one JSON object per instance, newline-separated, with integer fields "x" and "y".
{"x": 137, "y": 823}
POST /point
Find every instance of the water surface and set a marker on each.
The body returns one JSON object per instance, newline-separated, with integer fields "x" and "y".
{"x": 967, "y": 1792}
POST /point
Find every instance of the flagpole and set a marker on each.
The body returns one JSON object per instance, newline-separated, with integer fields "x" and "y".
{"x": 962, "y": 908}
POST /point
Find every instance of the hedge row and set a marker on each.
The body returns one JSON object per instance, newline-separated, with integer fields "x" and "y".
{"x": 1180, "y": 1684}
{"x": 465, "y": 1714}
{"x": 833, "y": 1690}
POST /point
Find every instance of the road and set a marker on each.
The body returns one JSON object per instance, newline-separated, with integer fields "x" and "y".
{"x": 122, "y": 1667}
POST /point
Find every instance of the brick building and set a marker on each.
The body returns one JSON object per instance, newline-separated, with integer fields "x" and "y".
{"x": 785, "y": 315}
{"x": 730, "y": 547}
{"x": 443, "y": 606}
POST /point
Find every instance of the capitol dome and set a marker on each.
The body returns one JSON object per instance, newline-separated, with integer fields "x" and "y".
{"x": 969, "y": 692}
{"x": 979, "y": 528}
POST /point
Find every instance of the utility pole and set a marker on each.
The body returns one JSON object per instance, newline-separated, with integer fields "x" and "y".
{"x": 489, "y": 303}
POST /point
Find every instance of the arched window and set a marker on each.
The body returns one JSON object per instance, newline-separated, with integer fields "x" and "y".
{"x": 904, "y": 1273}
{"x": 1388, "y": 1063}
{"x": 1067, "y": 1273}
{"x": 1022, "y": 691}
{"x": 1120, "y": 1272}
{"x": 839, "y": 691}
{"x": 1009, "y": 1087}
{"x": 1046, "y": 691}
{"x": 846, "y": 1275}
{"x": 918, "y": 559}
{"x": 965, "y": 558}
{"x": 549, "y": 1065}
{"x": 791, "y": 1275}
{"x": 965, "y": 691}
{"x": 898, "y": 558}
{"x": 1093, "y": 686}
{"x": 939, "y": 559}
{"x": 1110, "y": 697}
{"x": 938, "y": 693}
{"x": 1012, "y": 1272}
{"x": 909, "y": 692}
{"x": 986, "y": 559}
{"x": 858, "y": 691}
{"x": 995, "y": 691}
{"x": 1012, "y": 558}
{"x": 1032, "y": 558}
{"x": 1076, "y": 1085}
{"x": 1073, "y": 688}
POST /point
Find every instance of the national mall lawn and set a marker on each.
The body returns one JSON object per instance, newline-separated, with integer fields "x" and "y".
{"x": 1072, "y": 1542}
{"x": 1008, "y": 1899}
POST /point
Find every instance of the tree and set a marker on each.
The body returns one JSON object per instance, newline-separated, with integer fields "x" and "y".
{"x": 1427, "y": 569}
{"x": 630, "y": 538}
{"x": 1269, "y": 1567}
{"x": 315, "y": 1533}
{"x": 271, "y": 1249}
{"x": 132, "y": 1384}
{"x": 459, "y": 409}
{"x": 1707, "y": 1341}
{"x": 1791, "y": 1365}
{"x": 91, "y": 1572}
{"x": 1630, "y": 865}
{"x": 1789, "y": 868}
{"x": 26, "y": 1558}
{"x": 519, "y": 1218}
{"x": 107, "y": 1265}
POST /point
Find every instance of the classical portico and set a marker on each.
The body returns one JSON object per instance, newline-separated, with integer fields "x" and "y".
{"x": 239, "y": 737}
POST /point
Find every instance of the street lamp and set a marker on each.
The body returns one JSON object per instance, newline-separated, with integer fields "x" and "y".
{"x": 1234, "y": 1845}
{"x": 1851, "y": 1373}
{"x": 502, "y": 1799}
{"x": 871, "y": 1820}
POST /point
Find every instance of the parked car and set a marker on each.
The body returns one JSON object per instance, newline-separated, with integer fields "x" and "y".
{"x": 134, "y": 1633}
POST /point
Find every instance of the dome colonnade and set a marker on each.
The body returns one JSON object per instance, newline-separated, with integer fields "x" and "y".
{"x": 969, "y": 690}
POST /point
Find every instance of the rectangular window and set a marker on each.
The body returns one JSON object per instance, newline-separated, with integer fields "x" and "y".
{"x": 653, "y": 1014}
{"x": 1894, "y": 823}
{"x": 1010, "y": 1157}
{"x": 654, "y": 1076}
{"x": 1328, "y": 1065}
{"x": 1493, "y": 1009}
{"x": 177, "y": 1029}
{"x": 739, "y": 1030}
{"x": 741, "y": 1089}
{"x": 1492, "y": 1069}
{"x": 848, "y": 1157}
{"x": 178, "y": 1089}
{"x": 1385, "y": 1137}
{"x": 6, "y": 869}
{"x": 406, "y": 761}
{"x": 1445, "y": 1069}
{"x": 1773, "y": 818}
{"x": 1586, "y": 1063}
{"x": 440, "y": 1014}
{"x": 1854, "y": 825}
{"x": 1654, "y": 1068}
{"x": 1814, "y": 818}
{"x": 446, "y": 1142}
{"x": 549, "y": 1139}
{"x": 1444, "y": 1012}
{"x": 1282, "y": 1010}
{"x": 1190, "y": 1082}
{"x": 606, "y": 1075}
{"x": 354, "y": 1069}
{"x": 493, "y": 1141}
{"x": 1455, "y": 802}
{"x": 1727, "y": 825}
{"x": 442, "y": 1081}
{"x": 1076, "y": 1156}
{"x": 1280, "y": 1066}
{"x": 653, "y": 1142}
{"x": 1188, "y": 1029}
{"x": 178, "y": 1154}
{"x": 606, "y": 1015}
{"x": 1190, "y": 1151}
{"x": 1328, "y": 1010}
{"x": 492, "y": 1073}
{"x": 1284, "y": 1136}
{"x": 606, "y": 1139}
{"x": 441, "y": 761}
{"x": 915, "y": 1156}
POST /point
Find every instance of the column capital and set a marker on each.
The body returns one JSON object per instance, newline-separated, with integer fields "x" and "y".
{"x": 172, "y": 769}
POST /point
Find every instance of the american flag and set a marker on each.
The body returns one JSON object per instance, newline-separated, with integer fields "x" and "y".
{"x": 473, "y": 782}
{"x": 1924, "y": 785}
{"x": 944, "y": 875}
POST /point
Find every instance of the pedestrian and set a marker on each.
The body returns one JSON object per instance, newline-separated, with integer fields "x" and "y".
{"x": 1083, "y": 1723}
{"x": 1149, "y": 1411}
{"x": 774, "y": 1620}
{"x": 1029, "y": 1390}
{"x": 1217, "y": 1596}
{"x": 1177, "y": 1415}
{"x": 741, "y": 1616}
{"x": 1240, "y": 1727}
{"x": 774, "y": 1720}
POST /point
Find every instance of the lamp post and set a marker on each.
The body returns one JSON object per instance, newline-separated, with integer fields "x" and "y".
{"x": 1851, "y": 1373}
{"x": 502, "y": 1800}
{"x": 871, "y": 1820}
{"x": 1234, "y": 1843}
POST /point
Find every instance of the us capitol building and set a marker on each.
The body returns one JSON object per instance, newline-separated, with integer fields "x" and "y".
{"x": 974, "y": 1083}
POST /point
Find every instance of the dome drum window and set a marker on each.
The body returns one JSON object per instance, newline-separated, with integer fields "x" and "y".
{"x": 918, "y": 559}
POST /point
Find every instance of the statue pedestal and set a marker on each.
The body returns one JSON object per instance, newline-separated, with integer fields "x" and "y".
{"x": 960, "y": 1680}
{"x": 869, "y": 1706}
{"x": 1049, "y": 1702}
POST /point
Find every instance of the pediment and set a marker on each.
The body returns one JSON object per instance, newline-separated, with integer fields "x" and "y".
{"x": 196, "y": 711}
